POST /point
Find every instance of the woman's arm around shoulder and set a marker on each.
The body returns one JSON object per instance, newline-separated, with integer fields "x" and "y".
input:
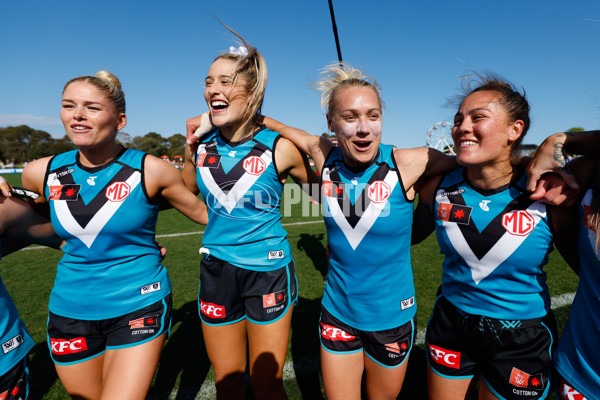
{"x": 33, "y": 176}
{"x": 316, "y": 147}
{"x": 20, "y": 226}
{"x": 290, "y": 161}
{"x": 421, "y": 163}
{"x": 189, "y": 171}
{"x": 164, "y": 180}
{"x": 423, "y": 221}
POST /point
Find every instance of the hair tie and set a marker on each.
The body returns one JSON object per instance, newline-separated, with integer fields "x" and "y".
{"x": 240, "y": 51}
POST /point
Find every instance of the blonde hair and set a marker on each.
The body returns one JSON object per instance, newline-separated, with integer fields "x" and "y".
{"x": 253, "y": 68}
{"x": 340, "y": 75}
{"x": 107, "y": 83}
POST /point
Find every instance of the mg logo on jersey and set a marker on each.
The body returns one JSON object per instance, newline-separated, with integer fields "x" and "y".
{"x": 64, "y": 346}
{"x": 444, "y": 357}
{"x": 332, "y": 333}
{"x": 519, "y": 223}
{"x": 379, "y": 192}
{"x": 212, "y": 310}
{"x": 118, "y": 191}
{"x": 254, "y": 165}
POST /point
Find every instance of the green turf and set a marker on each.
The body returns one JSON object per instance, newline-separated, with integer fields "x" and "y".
{"x": 184, "y": 366}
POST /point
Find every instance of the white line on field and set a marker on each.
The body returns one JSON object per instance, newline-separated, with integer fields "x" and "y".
{"x": 195, "y": 233}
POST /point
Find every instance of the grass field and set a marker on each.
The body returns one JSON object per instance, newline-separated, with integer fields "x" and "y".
{"x": 184, "y": 371}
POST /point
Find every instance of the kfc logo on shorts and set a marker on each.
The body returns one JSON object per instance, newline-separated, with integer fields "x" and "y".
{"x": 212, "y": 310}
{"x": 145, "y": 322}
{"x": 64, "y": 346}
{"x": 153, "y": 287}
{"x": 565, "y": 391}
{"x": 118, "y": 191}
{"x": 519, "y": 223}
{"x": 254, "y": 165}
{"x": 336, "y": 334}
{"x": 379, "y": 192}
{"x": 12, "y": 344}
{"x": 524, "y": 380}
{"x": 447, "y": 358}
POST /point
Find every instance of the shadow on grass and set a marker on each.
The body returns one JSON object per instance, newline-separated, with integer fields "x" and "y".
{"x": 184, "y": 356}
{"x": 43, "y": 374}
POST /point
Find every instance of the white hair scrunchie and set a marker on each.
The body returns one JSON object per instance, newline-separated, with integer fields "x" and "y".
{"x": 240, "y": 51}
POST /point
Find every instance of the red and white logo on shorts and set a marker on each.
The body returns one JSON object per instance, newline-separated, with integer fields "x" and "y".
{"x": 565, "y": 392}
{"x": 64, "y": 346}
{"x": 273, "y": 299}
{"x": 523, "y": 379}
{"x": 447, "y": 358}
{"x": 336, "y": 334}
{"x": 212, "y": 310}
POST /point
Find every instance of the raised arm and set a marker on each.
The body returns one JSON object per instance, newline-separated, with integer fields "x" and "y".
{"x": 162, "y": 179}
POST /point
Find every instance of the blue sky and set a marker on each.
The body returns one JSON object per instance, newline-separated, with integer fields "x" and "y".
{"x": 161, "y": 51}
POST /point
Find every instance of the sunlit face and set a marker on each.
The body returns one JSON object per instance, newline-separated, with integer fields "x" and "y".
{"x": 483, "y": 132}
{"x": 226, "y": 101}
{"x": 356, "y": 121}
{"x": 89, "y": 116}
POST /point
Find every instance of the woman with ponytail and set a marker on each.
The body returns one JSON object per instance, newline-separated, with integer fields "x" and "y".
{"x": 110, "y": 307}
{"x": 248, "y": 284}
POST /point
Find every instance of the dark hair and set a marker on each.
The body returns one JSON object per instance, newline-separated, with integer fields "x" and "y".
{"x": 512, "y": 99}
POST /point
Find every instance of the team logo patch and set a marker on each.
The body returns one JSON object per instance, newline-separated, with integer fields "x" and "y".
{"x": 254, "y": 165}
{"x": 12, "y": 344}
{"x": 335, "y": 334}
{"x": 519, "y": 223}
{"x": 398, "y": 348}
{"x": 153, "y": 287}
{"x": 273, "y": 299}
{"x": 212, "y": 310}
{"x": 208, "y": 160}
{"x": 333, "y": 189}
{"x": 447, "y": 358}
{"x": 69, "y": 192}
{"x": 145, "y": 322}
{"x": 64, "y": 346}
{"x": 408, "y": 303}
{"x": 454, "y": 213}
{"x": 379, "y": 192}
{"x": 524, "y": 380}
{"x": 118, "y": 191}
{"x": 275, "y": 254}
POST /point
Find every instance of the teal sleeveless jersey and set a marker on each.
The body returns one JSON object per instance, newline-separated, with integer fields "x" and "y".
{"x": 495, "y": 244}
{"x": 14, "y": 338}
{"x": 369, "y": 219}
{"x": 242, "y": 191}
{"x": 111, "y": 264}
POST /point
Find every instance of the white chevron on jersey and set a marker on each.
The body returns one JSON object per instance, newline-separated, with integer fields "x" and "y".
{"x": 238, "y": 190}
{"x": 88, "y": 234}
{"x": 355, "y": 235}
{"x": 504, "y": 247}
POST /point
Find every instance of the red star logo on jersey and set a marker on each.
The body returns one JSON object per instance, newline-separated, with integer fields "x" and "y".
{"x": 459, "y": 214}
{"x": 212, "y": 160}
{"x": 70, "y": 192}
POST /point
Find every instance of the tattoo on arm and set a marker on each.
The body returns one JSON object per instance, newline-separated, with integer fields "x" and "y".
{"x": 559, "y": 157}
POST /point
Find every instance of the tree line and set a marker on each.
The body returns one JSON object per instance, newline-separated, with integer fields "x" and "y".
{"x": 20, "y": 144}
